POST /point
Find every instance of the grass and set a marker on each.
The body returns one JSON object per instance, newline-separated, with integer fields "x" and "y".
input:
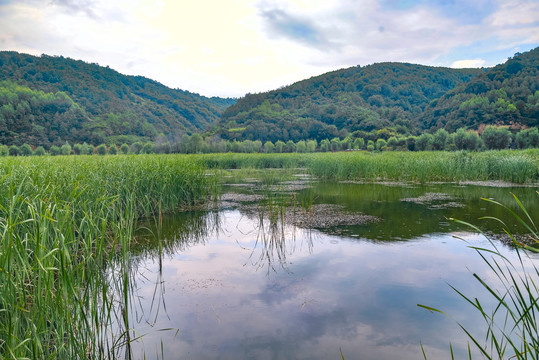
{"x": 517, "y": 166}
{"x": 513, "y": 166}
{"x": 62, "y": 220}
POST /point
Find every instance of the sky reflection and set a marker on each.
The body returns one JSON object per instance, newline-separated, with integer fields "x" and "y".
{"x": 327, "y": 293}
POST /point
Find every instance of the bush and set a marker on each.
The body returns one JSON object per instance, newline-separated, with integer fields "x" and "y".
{"x": 101, "y": 149}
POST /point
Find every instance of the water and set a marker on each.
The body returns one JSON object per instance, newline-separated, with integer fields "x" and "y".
{"x": 243, "y": 282}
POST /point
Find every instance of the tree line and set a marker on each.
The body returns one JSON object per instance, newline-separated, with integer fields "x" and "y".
{"x": 487, "y": 138}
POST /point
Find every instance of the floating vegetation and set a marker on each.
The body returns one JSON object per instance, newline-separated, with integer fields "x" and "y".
{"x": 322, "y": 216}
{"x": 443, "y": 201}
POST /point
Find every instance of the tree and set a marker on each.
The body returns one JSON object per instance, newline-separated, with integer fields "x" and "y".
{"x": 301, "y": 146}
{"x": 370, "y": 145}
{"x": 14, "y": 150}
{"x": 147, "y": 148}
{"x": 439, "y": 139}
{"x": 459, "y": 137}
{"x": 279, "y": 146}
{"x": 26, "y": 150}
{"x": 410, "y": 143}
{"x": 78, "y": 149}
{"x": 40, "y": 151}
{"x": 268, "y": 147}
{"x": 55, "y": 150}
{"x": 87, "y": 149}
{"x": 290, "y": 146}
{"x": 101, "y": 149}
{"x": 393, "y": 142}
{"x": 380, "y": 143}
{"x": 359, "y": 143}
{"x": 311, "y": 146}
{"x": 472, "y": 141}
{"x": 124, "y": 148}
{"x": 496, "y": 137}
{"x": 423, "y": 142}
{"x": 113, "y": 150}
{"x": 66, "y": 149}
{"x": 136, "y": 147}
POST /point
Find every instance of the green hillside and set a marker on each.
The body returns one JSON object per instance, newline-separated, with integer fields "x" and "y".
{"x": 507, "y": 94}
{"x": 336, "y": 103}
{"x": 50, "y": 100}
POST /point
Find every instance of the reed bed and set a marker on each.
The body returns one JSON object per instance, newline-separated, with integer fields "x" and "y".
{"x": 62, "y": 219}
{"x": 507, "y": 165}
{"x": 516, "y": 166}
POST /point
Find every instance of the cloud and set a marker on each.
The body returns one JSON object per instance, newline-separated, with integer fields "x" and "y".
{"x": 281, "y": 23}
{"x": 462, "y": 64}
{"x": 231, "y": 48}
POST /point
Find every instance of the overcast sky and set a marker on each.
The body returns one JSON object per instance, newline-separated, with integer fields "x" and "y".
{"x": 231, "y": 47}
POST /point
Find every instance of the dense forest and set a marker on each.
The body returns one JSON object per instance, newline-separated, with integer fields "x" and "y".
{"x": 336, "y": 103}
{"x": 398, "y": 98}
{"x": 52, "y": 102}
{"x": 49, "y": 100}
{"x": 507, "y": 94}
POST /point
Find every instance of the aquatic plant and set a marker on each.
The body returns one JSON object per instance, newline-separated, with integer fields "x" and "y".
{"x": 511, "y": 327}
{"x": 62, "y": 222}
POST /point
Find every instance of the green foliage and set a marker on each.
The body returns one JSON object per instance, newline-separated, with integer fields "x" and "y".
{"x": 340, "y": 102}
{"x": 499, "y": 96}
{"x": 39, "y": 151}
{"x": 63, "y": 221}
{"x": 113, "y": 150}
{"x": 124, "y": 148}
{"x": 424, "y": 142}
{"x": 26, "y": 150}
{"x": 55, "y": 150}
{"x": 101, "y": 149}
{"x": 48, "y": 100}
{"x": 496, "y": 137}
{"x": 14, "y": 150}
{"x": 147, "y": 148}
{"x": 66, "y": 149}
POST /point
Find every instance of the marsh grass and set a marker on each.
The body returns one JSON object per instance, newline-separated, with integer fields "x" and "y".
{"x": 63, "y": 220}
{"x": 516, "y": 166}
{"x": 512, "y": 166}
{"x": 511, "y": 330}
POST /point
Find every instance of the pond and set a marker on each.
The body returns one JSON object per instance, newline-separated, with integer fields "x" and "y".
{"x": 301, "y": 269}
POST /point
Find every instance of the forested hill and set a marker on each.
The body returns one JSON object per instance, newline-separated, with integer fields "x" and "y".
{"x": 507, "y": 94}
{"x": 49, "y": 100}
{"x": 336, "y": 103}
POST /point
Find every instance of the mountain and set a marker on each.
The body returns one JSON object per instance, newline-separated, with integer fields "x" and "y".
{"x": 343, "y": 101}
{"x": 507, "y": 94}
{"x": 49, "y": 100}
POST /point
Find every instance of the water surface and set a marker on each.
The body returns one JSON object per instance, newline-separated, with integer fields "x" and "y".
{"x": 243, "y": 282}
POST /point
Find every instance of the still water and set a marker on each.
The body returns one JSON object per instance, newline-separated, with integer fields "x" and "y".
{"x": 288, "y": 271}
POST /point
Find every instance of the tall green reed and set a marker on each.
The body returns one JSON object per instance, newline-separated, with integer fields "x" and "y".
{"x": 511, "y": 330}
{"x": 62, "y": 221}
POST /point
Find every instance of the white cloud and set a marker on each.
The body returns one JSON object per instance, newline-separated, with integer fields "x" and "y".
{"x": 229, "y": 48}
{"x": 462, "y": 64}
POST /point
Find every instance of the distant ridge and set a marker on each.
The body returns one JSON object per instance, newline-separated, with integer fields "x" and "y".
{"x": 407, "y": 98}
{"x": 49, "y": 100}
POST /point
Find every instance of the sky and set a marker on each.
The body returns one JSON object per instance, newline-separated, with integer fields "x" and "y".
{"x": 229, "y": 48}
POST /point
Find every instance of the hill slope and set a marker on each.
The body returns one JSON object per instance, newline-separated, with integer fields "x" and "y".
{"x": 47, "y": 100}
{"x": 507, "y": 94}
{"x": 358, "y": 98}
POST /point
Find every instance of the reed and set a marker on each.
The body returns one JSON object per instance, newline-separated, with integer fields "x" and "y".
{"x": 62, "y": 222}
{"x": 511, "y": 324}
{"x": 507, "y": 165}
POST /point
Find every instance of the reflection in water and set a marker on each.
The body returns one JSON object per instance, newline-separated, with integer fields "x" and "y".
{"x": 199, "y": 275}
